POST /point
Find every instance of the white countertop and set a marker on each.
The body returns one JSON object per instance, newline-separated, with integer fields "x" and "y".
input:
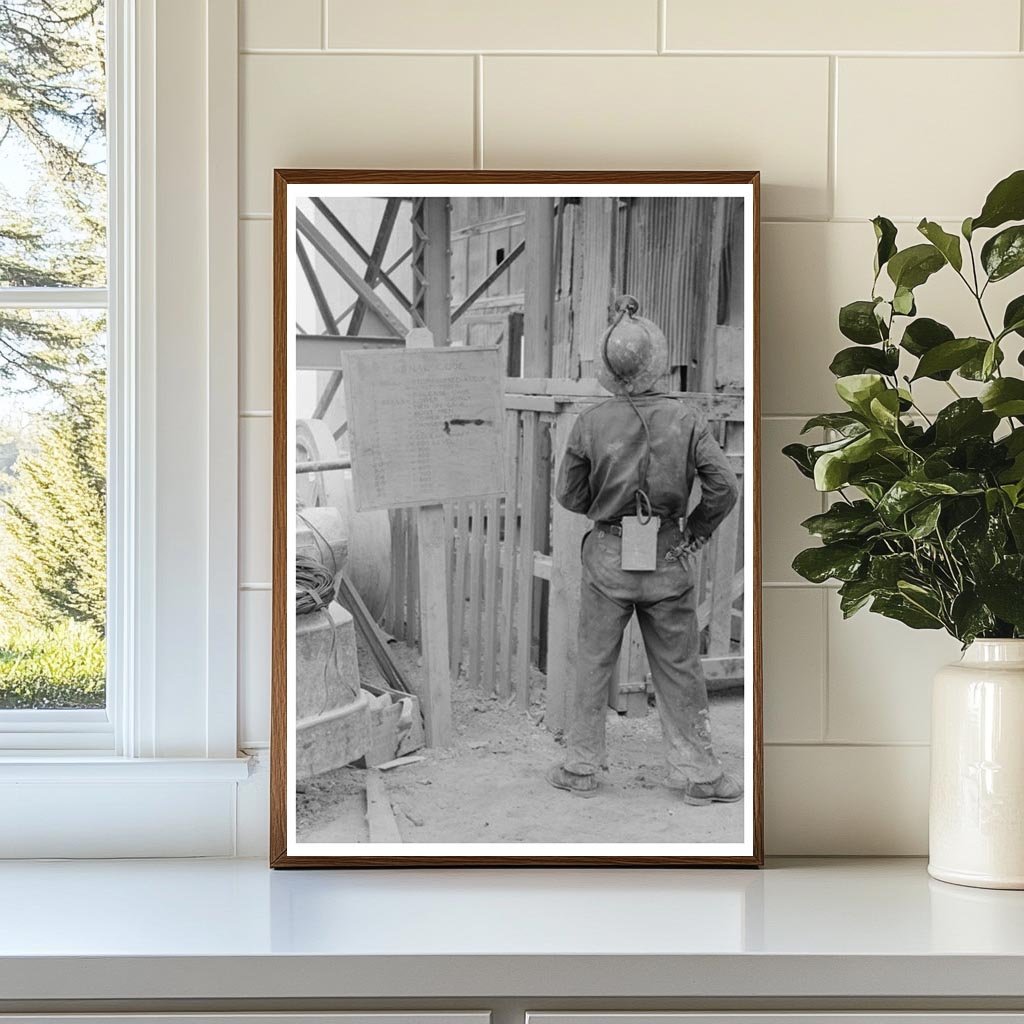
{"x": 234, "y": 929}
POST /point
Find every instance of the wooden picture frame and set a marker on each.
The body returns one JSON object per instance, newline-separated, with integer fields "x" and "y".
{"x": 534, "y": 401}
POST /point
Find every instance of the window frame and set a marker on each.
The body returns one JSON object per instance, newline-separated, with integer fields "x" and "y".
{"x": 153, "y": 124}
{"x": 92, "y": 730}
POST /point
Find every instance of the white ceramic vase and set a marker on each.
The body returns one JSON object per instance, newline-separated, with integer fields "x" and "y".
{"x": 976, "y": 817}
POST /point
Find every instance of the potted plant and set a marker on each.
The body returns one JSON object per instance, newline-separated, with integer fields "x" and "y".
{"x": 926, "y": 524}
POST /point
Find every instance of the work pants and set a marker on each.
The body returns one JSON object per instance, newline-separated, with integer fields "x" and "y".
{"x": 665, "y": 604}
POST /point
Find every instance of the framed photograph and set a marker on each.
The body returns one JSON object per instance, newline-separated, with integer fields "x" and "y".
{"x": 516, "y": 610}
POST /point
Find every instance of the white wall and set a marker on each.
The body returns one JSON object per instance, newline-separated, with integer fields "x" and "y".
{"x": 905, "y": 109}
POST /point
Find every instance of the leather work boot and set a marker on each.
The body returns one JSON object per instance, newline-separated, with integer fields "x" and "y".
{"x": 578, "y": 785}
{"x": 724, "y": 790}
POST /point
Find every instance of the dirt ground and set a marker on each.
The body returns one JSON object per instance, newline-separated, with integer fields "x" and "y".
{"x": 489, "y": 787}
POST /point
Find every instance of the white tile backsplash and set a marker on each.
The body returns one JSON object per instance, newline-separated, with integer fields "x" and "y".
{"x": 472, "y": 25}
{"x": 874, "y": 25}
{"x": 794, "y": 640}
{"x": 879, "y": 677}
{"x": 838, "y": 139}
{"x": 255, "y": 510}
{"x": 962, "y": 130}
{"x": 693, "y": 113}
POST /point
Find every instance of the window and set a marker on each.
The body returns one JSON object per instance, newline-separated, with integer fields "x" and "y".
{"x": 53, "y": 370}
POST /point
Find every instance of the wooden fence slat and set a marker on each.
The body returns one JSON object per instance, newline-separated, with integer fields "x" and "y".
{"x": 508, "y": 551}
{"x": 476, "y": 587}
{"x": 398, "y": 575}
{"x": 459, "y": 588}
{"x": 524, "y": 612}
{"x": 412, "y": 580}
{"x": 490, "y": 624}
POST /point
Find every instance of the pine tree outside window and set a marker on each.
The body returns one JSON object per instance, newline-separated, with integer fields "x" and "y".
{"x": 53, "y": 366}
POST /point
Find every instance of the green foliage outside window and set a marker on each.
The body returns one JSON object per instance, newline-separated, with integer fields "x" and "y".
{"x": 927, "y": 525}
{"x": 52, "y": 365}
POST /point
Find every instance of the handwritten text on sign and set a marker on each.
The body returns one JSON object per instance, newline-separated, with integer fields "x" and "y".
{"x": 425, "y": 425}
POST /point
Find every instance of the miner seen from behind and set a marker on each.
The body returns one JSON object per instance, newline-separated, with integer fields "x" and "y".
{"x": 629, "y": 466}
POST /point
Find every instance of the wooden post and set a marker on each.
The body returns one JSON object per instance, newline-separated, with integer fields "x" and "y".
{"x": 537, "y": 352}
{"x": 563, "y": 613}
{"x": 592, "y": 297}
{"x": 709, "y": 337}
{"x": 435, "y": 310}
{"x": 433, "y": 306}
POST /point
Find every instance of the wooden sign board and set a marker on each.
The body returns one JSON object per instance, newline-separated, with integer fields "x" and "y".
{"x": 425, "y": 425}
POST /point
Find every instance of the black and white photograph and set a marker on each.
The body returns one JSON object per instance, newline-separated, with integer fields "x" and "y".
{"x": 515, "y": 508}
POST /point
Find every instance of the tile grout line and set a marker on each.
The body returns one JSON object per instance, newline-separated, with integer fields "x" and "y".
{"x": 478, "y": 111}
{"x": 323, "y": 24}
{"x": 368, "y": 51}
{"x": 1020, "y": 25}
{"x": 833, "y": 134}
{"x": 823, "y": 724}
{"x": 662, "y": 28}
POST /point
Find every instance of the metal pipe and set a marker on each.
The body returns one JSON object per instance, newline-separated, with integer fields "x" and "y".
{"x": 323, "y": 466}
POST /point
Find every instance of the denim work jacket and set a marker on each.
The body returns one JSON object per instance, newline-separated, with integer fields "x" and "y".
{"x": 601, "y": 467}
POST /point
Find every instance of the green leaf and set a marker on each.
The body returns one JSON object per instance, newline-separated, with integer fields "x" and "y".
{"x": 991, "y": 360}
{"x": 840, "y": 561}
{"x": 854, "y": 594}
{"x": 1003, "y": 254}
{"x": 849, "y": 361}
{"x": 903, "y": 302}
{"x": 843, "y": 521}
{"x": 1013, "y": 317}
{"x": 831, "y": 471}
{"x": 841, "y": 421}
{"x": 885, "y": 237}
{"x": 974, "y": 368}
{"x": 897, "y": 607}
{"x": 912, "y": 267}
{"x": 800, "y": 456}
{"x": 925, "y": 518}
{"x": 1004, "y": 397}
{"x": 858, "y": 389}
{"x": 857, "y": 321}
{"x": 966, "y": 417}
{"x": 948, "y": 356}
{"x": 1005, "y": 596}
{"x": 947, "y": 244}
{"x": 885, "y": 409}
{"x": 924, "y": 334}
{"x": 965, "y": 229}
{"x": 885, "y": 571}
{"x": 970, "y": 617}
{"x": 906, "y": 494}
{"x": 1005, "y": 202}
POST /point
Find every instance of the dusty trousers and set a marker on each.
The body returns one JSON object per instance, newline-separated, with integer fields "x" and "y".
{"x": 665, "y": 602}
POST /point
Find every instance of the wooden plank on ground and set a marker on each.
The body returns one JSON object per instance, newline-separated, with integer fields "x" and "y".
{"x": 490, "y": 623}
{"x": 380, "y": 817}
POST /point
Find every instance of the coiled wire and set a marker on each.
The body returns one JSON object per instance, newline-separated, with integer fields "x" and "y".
{"x": 314, "y": 592}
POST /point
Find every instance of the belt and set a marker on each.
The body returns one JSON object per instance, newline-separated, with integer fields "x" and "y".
{"x": 614, "y": 526}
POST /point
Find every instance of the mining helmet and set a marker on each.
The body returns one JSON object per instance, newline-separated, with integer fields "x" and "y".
{"x": 634, "y": 352}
